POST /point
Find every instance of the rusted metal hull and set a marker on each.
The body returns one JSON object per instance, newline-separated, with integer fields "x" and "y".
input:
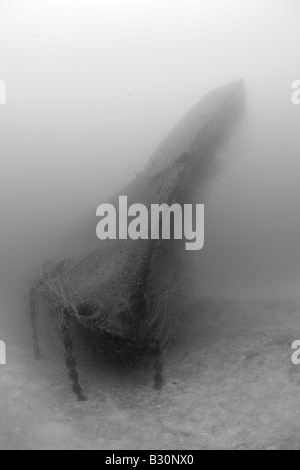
{"x": 132, "y": 290}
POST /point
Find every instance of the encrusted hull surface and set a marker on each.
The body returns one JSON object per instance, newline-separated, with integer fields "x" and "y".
{"x": 131, "y": 289}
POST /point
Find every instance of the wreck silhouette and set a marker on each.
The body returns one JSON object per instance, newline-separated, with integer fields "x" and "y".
{"x": 127, "y": 295}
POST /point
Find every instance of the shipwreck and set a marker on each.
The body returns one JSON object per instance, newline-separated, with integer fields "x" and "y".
{"x": 127, "y": 295}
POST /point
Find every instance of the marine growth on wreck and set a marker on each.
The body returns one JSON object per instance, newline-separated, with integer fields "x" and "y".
{"x": 127, "y": 295}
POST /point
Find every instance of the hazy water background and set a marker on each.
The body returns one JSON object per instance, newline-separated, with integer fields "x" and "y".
{"x": 93, "y": 87}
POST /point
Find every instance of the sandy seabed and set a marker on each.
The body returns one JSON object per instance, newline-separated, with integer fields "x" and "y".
{"x": 229, "y": 384}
